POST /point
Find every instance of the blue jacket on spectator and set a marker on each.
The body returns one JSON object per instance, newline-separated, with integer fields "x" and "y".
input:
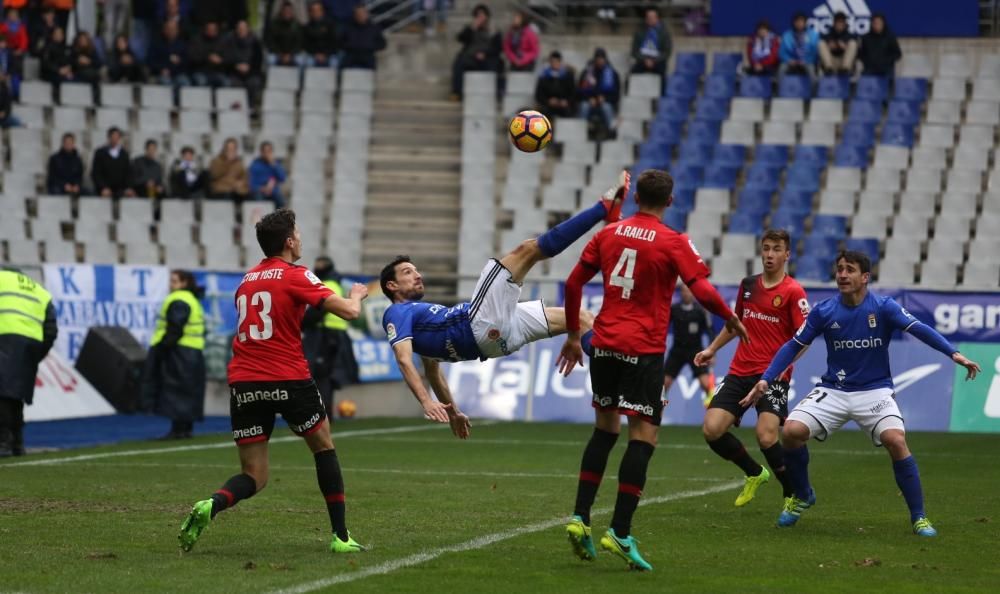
{"x": 159, "y": 57}
{"x": 807, "y": 50}
{"x": 261, "y": 172}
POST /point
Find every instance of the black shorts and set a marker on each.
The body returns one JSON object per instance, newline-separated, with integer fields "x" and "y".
{"x": 677, "y": 359}
{"x": 252, "y": 406}
{"x": 633, "y": 384}
{"x": 734, "y": 388}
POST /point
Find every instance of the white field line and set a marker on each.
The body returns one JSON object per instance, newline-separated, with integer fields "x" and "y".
{"x": 215, "y": 445}
{"x": 479, "y": 543}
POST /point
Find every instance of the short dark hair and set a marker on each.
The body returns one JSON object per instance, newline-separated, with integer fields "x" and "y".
{"x": 186, "y": 277}
{"x": 274, "y": 229}
{"x": 840, "y": 16}
{"x": 763, "y": 23}
{"x": 778, "y": 235}
{"x": 187, "y": 149}
{"x": 150, "y": 141}
{"x": 654, "y": 188}
{"x": 856, "y": 257}
{"x": 113, "y": 129}
{"x": 266, "y": 143}
{"x": 68, "y": 135}
{"x": 799, "y": 15}
{"x": 481, "y": 8}
{"x": 555, "y": 55}
{"x": 389, "y": 274}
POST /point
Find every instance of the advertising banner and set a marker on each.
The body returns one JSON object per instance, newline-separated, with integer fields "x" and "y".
{"x": 975, "y": 406}
{"x": 923, "y": 18}
{"x": 62, "y": 393}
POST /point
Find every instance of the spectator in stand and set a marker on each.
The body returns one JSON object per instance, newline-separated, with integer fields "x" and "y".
{"x": 319, "y": 39}
{"x": 226, "y": 12}
{"x": 284, "y": 37}
{"x": 838, "y": 48}
{"x": 879, "y": 49}
{"x": 62, "y": 8}
{"x": 168, "y": 58}
{"x": 113, "y": 15}
{"x": 520, "y": 44}
{"x": 57, "y": 59}
{"x": 651, "y": 45}
{"x": 208, "y": 68}
{"x": 65, "y": 172}
{"x": 340, "y": 12}
{"x": 7, "y": 117}
{"x": 16, "y": 35}
{"x": 147, "y": 172}
{"x": 799, "y": 48}
{"x": 42, "y": 32}
{"x": 480, "y": 49}
{"x": 8, "y": 65}
{"x": 555, "y": 91}
{"x": 361, "y": 39}
{"x": 600, "y": 90}
{"x": 245, "y": 56}
{"x": 123, "y": 65}
{"x": 227, "y": 176}
{"x": 111, "y": 170}
{"x": 762, "y": 53}
{"x": 187, "y": 179}
{"x": 144, "y": 25}
{"x": 266, "y": 177}
{"x": 86, "y": 62}
{"x": 179, "y": 13}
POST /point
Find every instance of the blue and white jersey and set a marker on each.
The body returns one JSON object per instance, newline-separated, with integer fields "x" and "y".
{"x": 857, "y": 340}
{"x": 437, "y": 332}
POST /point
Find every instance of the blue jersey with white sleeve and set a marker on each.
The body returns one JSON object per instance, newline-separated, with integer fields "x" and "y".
{"x": 857, "y": 340}
{"x": 438, "y": 332}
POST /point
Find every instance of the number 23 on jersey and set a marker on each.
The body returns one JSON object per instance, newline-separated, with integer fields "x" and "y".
{"x": 260, "y": 304}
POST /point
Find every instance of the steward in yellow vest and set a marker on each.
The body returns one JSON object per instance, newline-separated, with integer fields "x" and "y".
{"x": 174, "y": 377}
{"x": 27, "y": 332}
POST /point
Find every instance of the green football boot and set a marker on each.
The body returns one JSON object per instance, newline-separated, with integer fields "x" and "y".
{"x": 578, "y": 534}
{"x": 750, "y": 487}
{"x": 194, "y": 524}
{"x": 626, "y": 548}
{"x": 345, "y": 546}
{"x": 923, "y": 527}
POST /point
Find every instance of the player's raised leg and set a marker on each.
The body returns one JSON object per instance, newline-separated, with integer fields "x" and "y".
{"x": 252, "y": 478}
{"x": 560, "y": 237}
{"x": 631, "y": 481}
{"x": 331, "y": 484}
{"x": 904, "y": 467}
{"x": 607, "y": 426}
{"x": 727, "y": 446}
{"x": 794, "y": 438}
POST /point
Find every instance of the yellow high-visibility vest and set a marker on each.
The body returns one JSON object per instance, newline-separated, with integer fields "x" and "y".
{"x": 331, "y": 321}
{"x": 194, "y": 330}
{"x": 22, "y": 305}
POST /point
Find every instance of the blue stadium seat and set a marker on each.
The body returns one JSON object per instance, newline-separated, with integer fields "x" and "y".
{"x": 867, "y": 245}
{"x": 793, "y": 222}
{"x": 690, "y": 63}
{"x": 755, "y": 86}
{"x": 774, "y": 154}
{"x": 846, "y": 155}
{"x": 730, "y": 154}
{"x": 687, "y": 175}
{"x": 655, "y": 151}
{"x": 682, "y": 86}
{"x": 859, "y": 134}
{"x": 675, "y": 218}
{"x": 683, "y": 198}
{"x": 903, "y": 112}
{"x": 720, "y": 176}
{"x": 910, "y": 89}
{"x": 763, "y": 177}
{"x": 829, "y": 225}
{"x": 795, "y": 87}
{"x": 756, "y": 202}
{"x": 804, "y": 179}
{"x": 862, "y": 110}
{"x": 897, "y": 134}
{"x": 872, "y": 88}
{"x": 812, "y": 268}
{"x": 673, "y": 109}
{"x": 796, "y": 201}
{"x": 692, "y": 152}
{"x": 726, "y": 62}
{"x": 824, "y": 247}
{"x": 704, "y": 132}
{"x": 714, "y": 110}
{"x": 720, "y": 86}
{"x": 666, "y": 131}
{"x": 749, "y": 223}
{"x": 833, "y": 87}
{"x": 814, "y": 156}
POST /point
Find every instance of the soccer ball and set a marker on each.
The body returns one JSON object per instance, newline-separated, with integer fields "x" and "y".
{"x": 346, "y": 409}
{"x": 530, "y": 131}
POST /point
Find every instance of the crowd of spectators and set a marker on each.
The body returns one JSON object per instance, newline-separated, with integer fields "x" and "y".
{"x": 113, "y": 174}
{"x": 801, "y": 50}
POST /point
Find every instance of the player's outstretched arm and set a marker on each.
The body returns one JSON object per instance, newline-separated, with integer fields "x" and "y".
{"x": 705, "y": 357}
{"x": 710, "y": 299}
{"x": 460, "y": 425}
{"x": 433, "y": 410}
{"x": 782, "y": 359}
{"x": 572, "y": 350}
{"x": 936, "y": 341}
{"x": 348, "y": 308}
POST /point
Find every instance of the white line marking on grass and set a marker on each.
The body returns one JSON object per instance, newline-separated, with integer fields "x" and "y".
{"x": 479, "y": 543}
{"x": 216, "y": 445}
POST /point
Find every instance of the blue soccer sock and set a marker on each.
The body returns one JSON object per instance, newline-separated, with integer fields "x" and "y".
{"x": 908, "y": 480}
{"x": 586, "y": 342}
{"x": 797, "y": 464}
{"x": 560, "y": 237}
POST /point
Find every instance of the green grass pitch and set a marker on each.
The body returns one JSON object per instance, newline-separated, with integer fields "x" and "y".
{"x": 486, "y": 515}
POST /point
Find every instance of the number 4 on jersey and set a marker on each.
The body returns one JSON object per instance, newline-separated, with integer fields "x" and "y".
{"x": 621, "y": 275}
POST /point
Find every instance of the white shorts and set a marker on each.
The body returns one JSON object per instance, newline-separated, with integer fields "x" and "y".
{"x": 499, "y": 322}
{"x": 825, "y": 411}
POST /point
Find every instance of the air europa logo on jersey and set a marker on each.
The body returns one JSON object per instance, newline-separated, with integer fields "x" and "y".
{"x": 859, "y": 16}
{"x": 862, "y": 343}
